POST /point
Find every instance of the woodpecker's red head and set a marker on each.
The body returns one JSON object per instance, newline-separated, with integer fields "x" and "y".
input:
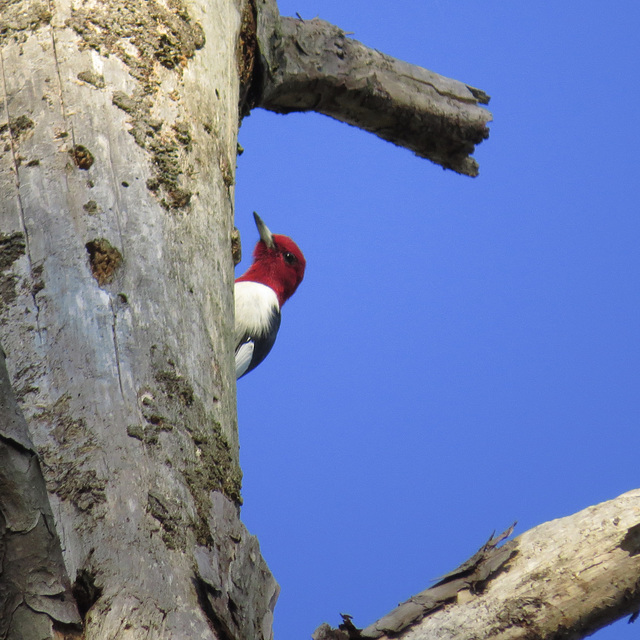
{"x": 277, "y": 262}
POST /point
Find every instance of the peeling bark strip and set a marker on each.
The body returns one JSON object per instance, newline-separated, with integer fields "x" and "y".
{"x": 35, "y": 593}
{"x": 470, "y": 576}
{"x": 11, "y": 248}
{"x": 311, "y": 65}
{"x": 235, "y": 587}
{"x": 564, "y": 578}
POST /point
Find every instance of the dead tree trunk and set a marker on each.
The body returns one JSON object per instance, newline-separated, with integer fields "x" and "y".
{"x": 118, "y": 128}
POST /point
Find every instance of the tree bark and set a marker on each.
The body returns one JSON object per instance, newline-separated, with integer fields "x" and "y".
{"x": 565, "y": 578}
{"x": 118, "y": 140}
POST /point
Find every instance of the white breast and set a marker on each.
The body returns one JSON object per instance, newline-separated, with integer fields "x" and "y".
{"x": 255, "y": 304}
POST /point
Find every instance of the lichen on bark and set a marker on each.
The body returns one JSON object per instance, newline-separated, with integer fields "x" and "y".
{"x": 146, "y": 37}
{"x": 179, "y": 427}
{"x": 18, "y": 19}
{"x": 64, "y": 471}
{"x": 12, "y": 246}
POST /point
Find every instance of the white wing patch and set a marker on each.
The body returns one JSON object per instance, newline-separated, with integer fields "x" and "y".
{"x": 255, "y": 303}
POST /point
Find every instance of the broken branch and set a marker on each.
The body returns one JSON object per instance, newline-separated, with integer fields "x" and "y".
{"x": 564, "y": 578}
{"x": 311, "y": 65}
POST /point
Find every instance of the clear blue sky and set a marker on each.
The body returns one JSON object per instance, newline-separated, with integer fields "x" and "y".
{"x": 463, "y": 352}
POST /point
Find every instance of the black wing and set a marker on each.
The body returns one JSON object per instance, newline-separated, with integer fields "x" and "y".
{"x": 251, "y": 351}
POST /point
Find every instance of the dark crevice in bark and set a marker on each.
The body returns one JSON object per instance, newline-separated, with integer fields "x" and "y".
{"x": 250, "y": 68}
{"x": 85, "y": 591}
{"x": 204, "y": 592}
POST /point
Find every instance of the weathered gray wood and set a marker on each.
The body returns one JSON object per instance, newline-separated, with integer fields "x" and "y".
{"x": 118, "y": 124}
{"x": 567, "y": 577}
{"x": 311, "y": 65}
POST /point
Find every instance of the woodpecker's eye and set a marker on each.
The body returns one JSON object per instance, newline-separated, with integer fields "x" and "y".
{"x": 289, "y": 258}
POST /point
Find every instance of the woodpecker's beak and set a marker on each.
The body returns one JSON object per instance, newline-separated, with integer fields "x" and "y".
{"x": 265, "y": 234}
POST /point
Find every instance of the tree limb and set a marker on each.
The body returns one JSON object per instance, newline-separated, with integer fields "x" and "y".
{"x": 311, "y": 65}
{"x": 565, "y": 578}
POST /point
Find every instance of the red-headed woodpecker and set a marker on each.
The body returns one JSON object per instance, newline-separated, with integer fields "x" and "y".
{"x": 277, "y": 270}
